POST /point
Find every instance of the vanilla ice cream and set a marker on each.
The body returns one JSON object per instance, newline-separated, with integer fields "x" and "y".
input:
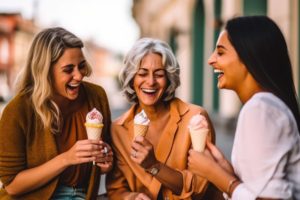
{"x": 141, "y": 124}
{"x": 198, "y": 128}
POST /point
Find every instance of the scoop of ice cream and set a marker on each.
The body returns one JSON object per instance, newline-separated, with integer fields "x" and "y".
{"x": 198, "y": 122}
{"x": 94, "y": 117}
{"x": 141, "y": 118}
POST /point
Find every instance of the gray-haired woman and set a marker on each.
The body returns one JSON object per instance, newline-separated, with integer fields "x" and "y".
{"x": 154, "y": 166}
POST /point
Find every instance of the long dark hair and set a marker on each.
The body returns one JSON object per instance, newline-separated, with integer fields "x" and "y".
{"x": 262, "y": 48}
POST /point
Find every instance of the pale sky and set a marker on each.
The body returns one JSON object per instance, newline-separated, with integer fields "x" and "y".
{"x": 107, "y": 22}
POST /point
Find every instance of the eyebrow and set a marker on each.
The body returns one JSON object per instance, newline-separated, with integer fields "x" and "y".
{"x": 160, "y": 69}
{"x": 219, "y": 46}
{"x": 72, "y": 65}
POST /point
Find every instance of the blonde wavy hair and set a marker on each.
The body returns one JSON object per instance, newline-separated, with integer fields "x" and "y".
{"x": 36, "y": 80}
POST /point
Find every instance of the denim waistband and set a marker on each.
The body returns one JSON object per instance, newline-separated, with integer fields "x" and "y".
{"x": 63, "y": 192}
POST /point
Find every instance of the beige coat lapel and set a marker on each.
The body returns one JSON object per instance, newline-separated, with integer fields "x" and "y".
{"x": 164, "y": 147}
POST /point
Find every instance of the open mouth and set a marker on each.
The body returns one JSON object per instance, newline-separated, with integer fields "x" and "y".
{"x": 149, "y": 91}
{"x": 219, "y": 72}
{"x": 73, "y": 86}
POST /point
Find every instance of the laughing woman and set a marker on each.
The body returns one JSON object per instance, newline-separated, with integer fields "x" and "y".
{"x": 252, "y": 58}
{"x": 154, "y": 166}
{"x": 44, "y": 150}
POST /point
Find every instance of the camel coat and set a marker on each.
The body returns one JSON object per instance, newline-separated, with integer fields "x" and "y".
{"x": 25, "y": 145}
{"x": 172, "y": 150}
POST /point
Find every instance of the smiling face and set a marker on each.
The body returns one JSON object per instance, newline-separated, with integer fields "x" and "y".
{"x": 225, "y": 61}
{"x": 150, "y": 82}
{"x": 67, "y": 74}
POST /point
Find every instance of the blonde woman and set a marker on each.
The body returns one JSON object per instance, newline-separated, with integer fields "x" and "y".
{"x": 44, "y": 150}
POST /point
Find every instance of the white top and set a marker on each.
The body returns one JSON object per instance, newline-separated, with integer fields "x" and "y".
{"x": 266, "y": 150}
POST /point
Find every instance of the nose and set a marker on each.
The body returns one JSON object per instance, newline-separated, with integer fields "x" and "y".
{"x": 151, "y": 79}
{"x": 77, "y": 75}
{"x": 212, "y": 59}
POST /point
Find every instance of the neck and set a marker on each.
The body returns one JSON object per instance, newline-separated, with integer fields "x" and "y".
{"x": 67, "y": 106}
{"x": 246, "y": 91}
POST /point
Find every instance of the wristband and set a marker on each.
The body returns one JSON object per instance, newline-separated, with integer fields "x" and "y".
{"x": 231, "y": 182}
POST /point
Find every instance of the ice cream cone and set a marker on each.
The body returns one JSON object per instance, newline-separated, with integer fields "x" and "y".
{"x": 94, "y": 131}
{"x": 140, "y": 129}
{"x": 198, "y": 138}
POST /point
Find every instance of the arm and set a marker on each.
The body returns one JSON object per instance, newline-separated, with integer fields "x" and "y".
{"x": 143, "y": 154}
{"x": 212, "y": 165}
{"x": 216, "y": 169}
{"x": 117, "y": 185}
{"x": 30, "y": 179}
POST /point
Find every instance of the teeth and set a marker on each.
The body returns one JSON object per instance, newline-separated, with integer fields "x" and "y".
{"x": 149, "y": 90}
{"x": 218, "y": 71}
{"x": 74, "y": 84}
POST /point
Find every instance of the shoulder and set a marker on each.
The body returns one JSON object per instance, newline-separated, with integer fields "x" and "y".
{"x": 269, "y": 105}
{"x": 268, "y": 119}
{"x": 17, "y": 113}
{"x": 20, "y": 104}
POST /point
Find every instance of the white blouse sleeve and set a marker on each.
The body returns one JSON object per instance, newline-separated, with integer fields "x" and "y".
{"x": 261, "y": 149}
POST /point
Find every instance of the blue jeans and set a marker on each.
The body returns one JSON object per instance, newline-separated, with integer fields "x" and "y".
{"x": 68, "y": 193}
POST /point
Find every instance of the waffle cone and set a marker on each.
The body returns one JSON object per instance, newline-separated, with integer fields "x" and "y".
{"x": 140, "y": 130}
{"x": 198, "y": 138}
{"x": 93, "y": 132}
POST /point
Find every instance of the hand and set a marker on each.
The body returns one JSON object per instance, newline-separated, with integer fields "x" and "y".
{"x": 219, "y": 157}
{"x": 105, "y": 159}
{"x": 202, "y": 164}
{"x": 142, "y": 152}
{"x": 82, "y": 151}
{"x": 140, "y": 196}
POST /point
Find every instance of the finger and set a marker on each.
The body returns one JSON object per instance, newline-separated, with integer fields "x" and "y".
{"x": 143, "y": 196}
{"x": 142, "y": 141}
{"x": 139, "y": 138}
{"x": 89, "y": 141}
{"x": 214, "y": 150}
{"x": 136, "y": 145}
{"x": 192, "y": 152}
{"x": 95, "y": 141}
{"x": 85, "y": 160}
{"x": 105, "y": 145}
{"x": 134, "y": 153}
{"x": 103, "y": 165}
{"x": 88, "y": 154}
{"x": 135, "y": 159}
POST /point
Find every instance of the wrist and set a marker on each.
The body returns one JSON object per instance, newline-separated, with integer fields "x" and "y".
{"x": 154, "y": 169}
{"x": 62, "y": 159}
{"x": 232, "y": 185}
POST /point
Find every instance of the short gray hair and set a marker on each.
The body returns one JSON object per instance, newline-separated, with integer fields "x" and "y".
{"x": 132, "y": 62}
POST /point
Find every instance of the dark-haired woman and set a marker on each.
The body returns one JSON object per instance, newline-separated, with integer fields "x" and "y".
{"x": 252, "y": 59}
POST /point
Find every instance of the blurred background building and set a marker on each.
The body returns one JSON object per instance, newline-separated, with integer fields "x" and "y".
{"x": 192, "y": 27}
{"x": 109, "y": 28}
